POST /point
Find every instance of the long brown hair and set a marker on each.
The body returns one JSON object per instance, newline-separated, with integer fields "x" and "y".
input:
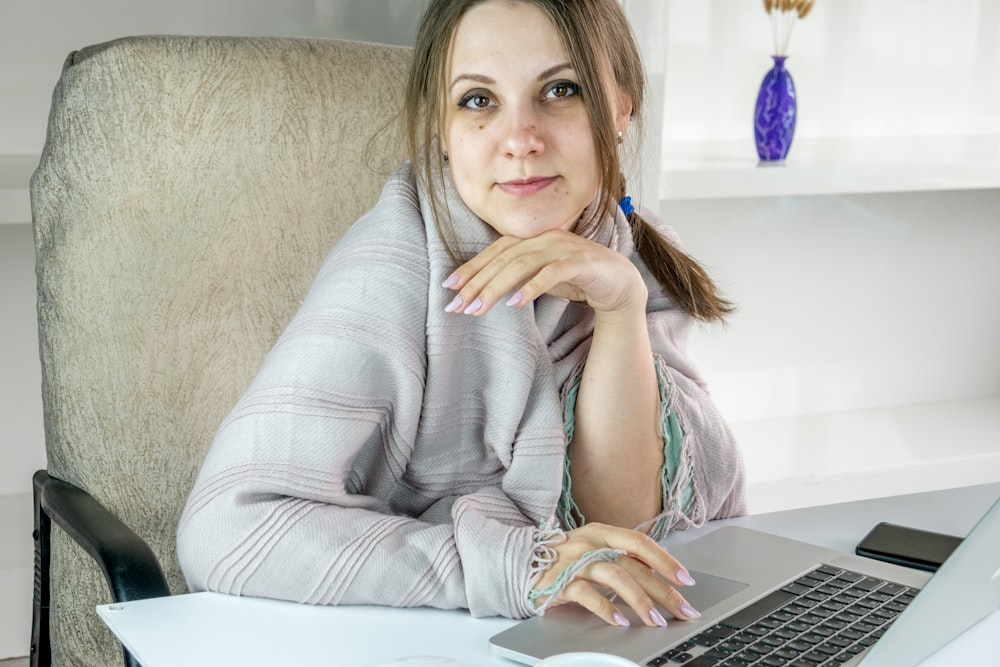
{"x": 602, "y": 48}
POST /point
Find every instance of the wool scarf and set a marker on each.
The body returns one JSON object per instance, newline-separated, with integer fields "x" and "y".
{"x": 391, "y": 453}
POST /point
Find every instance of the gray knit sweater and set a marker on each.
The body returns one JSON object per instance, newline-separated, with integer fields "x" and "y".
{"x": 390, "y": 453}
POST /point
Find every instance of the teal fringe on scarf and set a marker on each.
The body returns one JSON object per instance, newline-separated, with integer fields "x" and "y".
{"x": 676, "y": 474}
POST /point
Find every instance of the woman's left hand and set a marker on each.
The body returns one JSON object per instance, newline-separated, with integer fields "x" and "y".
{"x": 556, "y": 262}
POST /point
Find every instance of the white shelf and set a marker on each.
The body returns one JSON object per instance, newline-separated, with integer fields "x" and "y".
{"x": 15, "y": 201}
{"x": 726, "y": 169}
{"x": 815, "y": 459}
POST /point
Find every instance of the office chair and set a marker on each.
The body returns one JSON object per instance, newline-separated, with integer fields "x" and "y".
{"x": 188, "y": 190}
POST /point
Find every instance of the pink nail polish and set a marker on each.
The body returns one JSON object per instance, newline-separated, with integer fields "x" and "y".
{"x": 451, "y": 281}
{"x": 657, "y": 617}
{"x": 621, "y": 620}
{"x": 685, "y": 577}
{"x": 516, "y": 300}
{"x": 690, "y": 611}
{"x": 474, "y": 307}
{"x": 455, "y": 304}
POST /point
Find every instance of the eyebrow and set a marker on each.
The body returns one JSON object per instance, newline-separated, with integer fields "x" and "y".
{"x": 481, "y": 78}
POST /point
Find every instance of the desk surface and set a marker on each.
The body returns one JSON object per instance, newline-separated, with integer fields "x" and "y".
{"x": 210, "y": 629}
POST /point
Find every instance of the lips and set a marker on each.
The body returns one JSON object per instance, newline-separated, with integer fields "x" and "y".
{"x": 527, "y": 186}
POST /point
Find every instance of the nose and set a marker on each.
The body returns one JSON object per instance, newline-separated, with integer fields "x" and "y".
{"x": 522, "y": 134}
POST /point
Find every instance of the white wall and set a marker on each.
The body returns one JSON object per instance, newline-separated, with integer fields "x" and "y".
{"x": 849, "y": 302}
{"x": 21, "y": 445}
{"x": 35, "y": 38}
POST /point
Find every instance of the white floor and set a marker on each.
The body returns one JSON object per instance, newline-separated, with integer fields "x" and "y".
{"x": 849, "y": 456}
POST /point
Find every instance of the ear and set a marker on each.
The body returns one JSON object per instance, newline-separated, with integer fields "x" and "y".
{"x": 623, "y": 112}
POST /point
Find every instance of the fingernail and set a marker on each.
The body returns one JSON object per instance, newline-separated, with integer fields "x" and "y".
{"x": 516, "y": 300}
{"x": 474, "y": 307}
{"x": 657, "y": 617}
{"x": 621, "y": 620}
{"x": 455, "y": 304}
{"x": 451, "y": 281}
{"x": 685, "y": 577}
{"x": 690, "y": 611}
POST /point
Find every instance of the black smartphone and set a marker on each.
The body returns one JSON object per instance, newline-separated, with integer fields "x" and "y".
{"x": 912, "y": 547}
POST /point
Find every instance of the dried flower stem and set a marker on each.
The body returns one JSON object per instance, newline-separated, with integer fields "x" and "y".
{"x": 784, "y": 14}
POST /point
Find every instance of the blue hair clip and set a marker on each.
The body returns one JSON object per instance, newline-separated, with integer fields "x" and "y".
{"x": 626, "y": 206}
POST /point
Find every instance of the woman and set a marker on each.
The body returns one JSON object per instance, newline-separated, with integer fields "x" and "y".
{"x": 483, "y": 402}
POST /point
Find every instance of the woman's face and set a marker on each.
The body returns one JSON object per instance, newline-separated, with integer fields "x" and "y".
{"x": 517, "y": 133}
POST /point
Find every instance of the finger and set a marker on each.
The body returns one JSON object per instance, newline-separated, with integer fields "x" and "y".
{"x": 506, "y": 272}
{"x": 659, "y": 590}
{"x": 505, "y": 276}
{"x": 460, "y": 277}
{"x": 560, "y": 277}
{"x": 618, "y": 580}
{"x": 488, "y": 277}
{"x": 646, "y": 550}
{"x": 587, "y": 596}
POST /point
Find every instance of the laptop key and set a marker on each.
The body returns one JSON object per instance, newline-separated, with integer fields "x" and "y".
{"x": 728, "y": 647}
{"x": 799, "y": 646}
{"x": 762, "y": 607}
{"x": 796, "y": 588}
{"x": 851, "y": 634}
{"x": 734, "y": 662}
{"x": 892, "y": 589}
{"x": 705, "y": 640}
{"x": 868, "y": 583}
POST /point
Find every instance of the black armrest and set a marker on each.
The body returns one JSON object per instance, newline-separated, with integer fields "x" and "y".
{"x": 129, "y": 565}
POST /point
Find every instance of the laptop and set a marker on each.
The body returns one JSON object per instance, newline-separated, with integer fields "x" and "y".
{"x": 770, "y": 601}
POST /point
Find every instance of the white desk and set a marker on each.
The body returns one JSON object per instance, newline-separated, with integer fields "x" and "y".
{"x": 212, "y": 629}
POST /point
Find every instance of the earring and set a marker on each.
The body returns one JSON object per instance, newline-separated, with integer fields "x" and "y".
{"x": 621, "y": 137}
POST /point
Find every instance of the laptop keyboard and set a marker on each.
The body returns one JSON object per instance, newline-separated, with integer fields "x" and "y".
{"x": 821, "y": 619}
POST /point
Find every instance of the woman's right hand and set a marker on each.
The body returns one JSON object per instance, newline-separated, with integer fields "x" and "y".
{"x": 633, "y": 576}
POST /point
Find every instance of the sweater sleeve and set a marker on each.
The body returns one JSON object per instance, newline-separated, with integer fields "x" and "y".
{"x": 300, "y": 495}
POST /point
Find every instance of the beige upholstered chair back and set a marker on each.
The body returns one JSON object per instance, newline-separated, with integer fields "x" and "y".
{"x": 188, "y": 191}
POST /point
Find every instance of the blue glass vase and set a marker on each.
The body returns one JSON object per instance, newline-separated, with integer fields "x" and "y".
{"x": 774, "y": 116}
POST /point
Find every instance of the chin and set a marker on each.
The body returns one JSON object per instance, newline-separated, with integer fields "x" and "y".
{"x": 527, "y": 224}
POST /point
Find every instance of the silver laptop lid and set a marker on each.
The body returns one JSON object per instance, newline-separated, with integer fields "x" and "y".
{"x": 964, "y": 590}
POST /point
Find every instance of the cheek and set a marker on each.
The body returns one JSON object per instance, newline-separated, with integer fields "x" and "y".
{"x": 469, "y": 158}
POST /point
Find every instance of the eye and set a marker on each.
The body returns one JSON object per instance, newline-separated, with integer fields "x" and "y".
{"x": 562, "y": 89}
{"x": 476, "y": 100}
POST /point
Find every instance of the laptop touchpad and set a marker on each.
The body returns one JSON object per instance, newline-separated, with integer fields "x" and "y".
{"x": 711, "y": 590}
